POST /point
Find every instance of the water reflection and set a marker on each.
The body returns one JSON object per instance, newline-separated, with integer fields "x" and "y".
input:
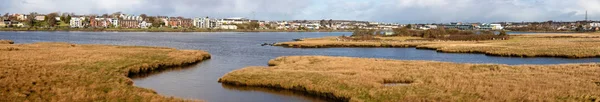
{"x": 289, "y": 93}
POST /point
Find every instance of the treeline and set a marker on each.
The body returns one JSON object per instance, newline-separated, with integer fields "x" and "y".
{"x": 438, "y": 34}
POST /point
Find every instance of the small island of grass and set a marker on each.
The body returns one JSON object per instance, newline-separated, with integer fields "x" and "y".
{"x": 575, "y": 45}
{"x": 383, "y": 80}
{"x": 80, "y": 73}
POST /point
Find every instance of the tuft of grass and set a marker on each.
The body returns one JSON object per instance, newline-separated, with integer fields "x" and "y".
{"x": 533, "y": 45}
{"x": 6, "y": 41}
{"x": 70, "y": 72}
{"x": 398, "y": 80}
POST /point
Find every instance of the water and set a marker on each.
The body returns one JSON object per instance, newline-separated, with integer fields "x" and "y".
{"x": 232, "y": 50}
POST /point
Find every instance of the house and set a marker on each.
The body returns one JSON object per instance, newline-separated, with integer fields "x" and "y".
{"x": 174, "y": 21}
{"x": 187, "y": 23}
{"x": 19, "y": 17}
{"x": 99, "y": 22}
{"x": 4, "y": 23}
{"x": 145, "y": 25}
{"x": 40, "y": 17}
{"x": 228, "y": 27}
{"x": 235, "y": 20}
{"x": 77, "y": 22}
{"x": 129, "y": 24}
{"x": 114, "y": 22}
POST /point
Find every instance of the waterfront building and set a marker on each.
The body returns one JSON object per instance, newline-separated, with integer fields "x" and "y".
{"x": 145, "y": 25}
{"x": 205, "y": 22}
{"x": 459, "y": 26}
{"x": 129, "y": 24}
{"x": 76, "y": 22}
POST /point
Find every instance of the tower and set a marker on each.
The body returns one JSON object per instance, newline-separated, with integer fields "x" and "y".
{"x": 586, "y": 15}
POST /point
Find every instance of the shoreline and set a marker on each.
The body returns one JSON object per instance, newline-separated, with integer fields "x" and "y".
{"x": 158, "y": 30}
{"x": 108, "y": 68}
{"x": 525, "y": 46}
{"x": 414, "y": 80}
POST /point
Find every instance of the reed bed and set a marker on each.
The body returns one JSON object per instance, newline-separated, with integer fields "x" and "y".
{"x": 373, "y": 80}
{"x": 533, "y": 45}
{"x": 43, "y": 72}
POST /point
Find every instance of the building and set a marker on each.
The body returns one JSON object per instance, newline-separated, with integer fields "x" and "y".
{"x": 228, "y": 27}
{"x": 174, "y": 22}
{"x": 595, "y": 24}
{"x": 145, "y": 25}
{"x": 40, "y": 17}
{"x": 4, "y": 23}
{"x": 99, "y": 22}
{"x": 187, "y": 23}
{"x": 236, "y": 20}
{"x": 114, "y": 22}
{"x": 486, "y": 26}
{"x": 77, "y": 22}
{"x": 129, "y": 24}
{"x": 459, "y": 26}
{"x": 205, "y": 22}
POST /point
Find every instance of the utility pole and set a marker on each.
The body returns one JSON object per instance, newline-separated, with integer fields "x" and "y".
{"x": 586, "y": 15}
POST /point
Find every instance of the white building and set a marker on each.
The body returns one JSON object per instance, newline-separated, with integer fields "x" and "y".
{"x": 596, "y": 24}
{"x": 40, "y": 18}
{"x": 114, "y": 22}
{"x": 228, "y": 27}
{"x": 77, "y": 22}
{"x": 130, "y": 17}
{"x": 145, "y": 25}
{"x": 205, "y": 22}
{"x": 236, "y": 20}
{"x": 497, "y": 26}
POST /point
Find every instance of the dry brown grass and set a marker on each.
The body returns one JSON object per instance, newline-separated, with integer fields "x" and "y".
{"x": 82, "y": 73}
{"x": 534, "y": 45}
{"x": 361, "y": 79}
{"x": 6, "y": 41}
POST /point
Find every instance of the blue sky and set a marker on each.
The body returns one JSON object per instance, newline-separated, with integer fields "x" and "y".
{"x": 399, "y": 11}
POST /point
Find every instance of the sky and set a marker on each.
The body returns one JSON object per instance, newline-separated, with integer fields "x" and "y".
{"x": 397, "y": 11}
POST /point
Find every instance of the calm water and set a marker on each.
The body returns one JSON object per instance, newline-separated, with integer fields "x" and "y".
{"x": 231, "y": 51}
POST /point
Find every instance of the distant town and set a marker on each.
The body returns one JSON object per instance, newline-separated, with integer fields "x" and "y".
{"x": 120, "y": 20}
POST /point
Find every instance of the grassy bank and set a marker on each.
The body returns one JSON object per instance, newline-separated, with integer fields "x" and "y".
{"x": 82, "y": 73}
{"x": 532, "y": 45}
{"x": 158, "y": 30}
{"x": 361, "y": 79}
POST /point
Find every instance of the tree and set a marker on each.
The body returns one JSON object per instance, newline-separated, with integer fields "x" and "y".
{"x": 503, "y": 33}
{"x": 409, "y": 26}
{"x": 144, "y": 16}
{"x": 330, "y": 22}
{"x": 31, "y": 19}
{"x": 51, "y": 19}
{"x": 67, "y": 19}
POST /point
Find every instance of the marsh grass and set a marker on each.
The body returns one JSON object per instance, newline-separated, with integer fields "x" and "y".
{"x": 6, "y": 41}
{"x": 533, "y": 45}
{"x": 76, "y": 73}
{"x": 362, "y": 79}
